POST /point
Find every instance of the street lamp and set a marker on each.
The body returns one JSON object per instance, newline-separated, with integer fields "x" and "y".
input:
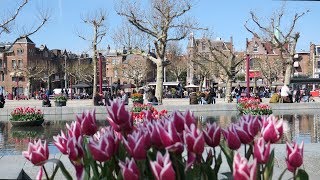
{"x": 100, "y": 73}
{"x": 247, "y": 74}
{"x": 65, "y": 72}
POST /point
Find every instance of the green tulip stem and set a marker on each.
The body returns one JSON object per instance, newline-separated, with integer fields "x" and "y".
{"x": 214, "y": 155}
{"x": 45, "y": 171}
{"x": 294, "y": 174}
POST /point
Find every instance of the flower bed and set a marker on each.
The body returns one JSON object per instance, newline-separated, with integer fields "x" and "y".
{"x": 253, "y": 106}
{"x": 137, "y": 98}
{"x": 26, "y": 116}
{"x": 154, "y": 149}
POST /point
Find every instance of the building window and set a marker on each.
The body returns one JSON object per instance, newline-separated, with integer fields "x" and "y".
{"x": 19, "y": 52}
{"x": 1, "y": 64}
{"x": 318, "y": 50}
{"x": 115, "y": 73}
{"x": 14, "y": 64}
{"x": 20, "y": 64}
{"x": 255, "y": 47}
{"x": 2, "y": 77}
{"x": 318, "y": 64}
{"x": 203, "y": 46}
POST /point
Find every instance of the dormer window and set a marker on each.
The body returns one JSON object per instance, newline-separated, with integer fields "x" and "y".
{"x": 19, "y": 52}
{"x": 255, "y": 47}
{"x": 318, "y": 50}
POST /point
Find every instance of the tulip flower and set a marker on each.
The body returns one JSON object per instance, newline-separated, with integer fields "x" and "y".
{"x": 194, "y": 140}
{"x": 232, "y": 138}
{"x": 294, "y": 156}
{"x": 154, "y": 134}
{"x": 253, "y": 122}
{"x": 74, "y": 148}
{"x": 179, "y": 120}
{"x": 242, "y": 169}
{"x": 212, "y": 134}
{"x": 162, "y": 168}
{"x": 74, "y": 129}
{"x": 119, "y": 118}
{"x": 170, "y": 137}
{"x": 37, "y": 152}
{"x": 88, "y": 123}
{"x": 105, "y": 147}
{"x": 272, "y": 129}
{"x": 261, "y": 151}
{"x": 244, "y": 131}
{"x": 61, "y": 142}
{"x": 129, "y": 170}
{"x": 137, "y": 144}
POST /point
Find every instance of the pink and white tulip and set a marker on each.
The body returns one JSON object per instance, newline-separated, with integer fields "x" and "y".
{"x": 212, "y": 134}
{"x": 37, "y": 152}
{"x": 60, "y": 141}
{"x": 272, "y": 129}
{"x": 294, "y": 156}
{"x": 162, "y": 168}
{"x": 105, "y": 147}
{"x": 170, "y": 137}
{"x": 137, "y": 144}
{"x": 129, "y": 170}
{"x": 119, "y": 118}
{"x": 87, "y": 123}
{"x": 261, "y": 151}
{"x": 242, "y": 170}
{"x": 232, "y": 138}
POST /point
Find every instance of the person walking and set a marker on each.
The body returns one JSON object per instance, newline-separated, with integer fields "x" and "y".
{"x": 124, "y": 97}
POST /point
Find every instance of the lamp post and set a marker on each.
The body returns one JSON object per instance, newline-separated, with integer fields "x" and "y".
{"x": 100, "y": 73}
{"x": 247, "y": 74}
{"x": 65, "y": 72}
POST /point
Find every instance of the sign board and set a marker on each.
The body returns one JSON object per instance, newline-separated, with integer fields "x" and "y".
{"x": 254, "y": 73}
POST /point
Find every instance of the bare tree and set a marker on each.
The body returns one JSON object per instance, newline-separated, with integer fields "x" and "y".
{"x": 97, "y": 22}
{"x": 134, "y": 70}
{"x": 6, "y": 23}
{"x": 225, "y": 59}
{"x": 280, "y": 36}
{"x": 126, "y": 35}
{"x": 178, "y": 64}
{"x": 166, "y": 21}
{"x": 272, "y": 72}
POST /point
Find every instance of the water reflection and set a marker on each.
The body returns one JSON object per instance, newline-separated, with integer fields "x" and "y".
{"x": 14, "y": 140}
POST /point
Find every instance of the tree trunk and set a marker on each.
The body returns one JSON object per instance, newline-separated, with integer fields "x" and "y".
{"x": 288, "y": 72}
{"x": 228, "y": 90}
{"x": 94, "y": 61}
{"x": 159, "y": 87}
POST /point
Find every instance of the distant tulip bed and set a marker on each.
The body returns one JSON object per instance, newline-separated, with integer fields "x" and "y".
{"x": 253, "y": 106}
{"x": 166, "y": 147}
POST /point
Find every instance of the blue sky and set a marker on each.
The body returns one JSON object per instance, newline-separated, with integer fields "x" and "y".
{"x": 225, "y": 18}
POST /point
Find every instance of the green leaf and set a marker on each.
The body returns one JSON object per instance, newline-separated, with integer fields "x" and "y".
{"x": 268, "y": 170}
{"x": 228, "y": 153}
{"x": 302, "y": 175}
{"x": 63, "y": 169}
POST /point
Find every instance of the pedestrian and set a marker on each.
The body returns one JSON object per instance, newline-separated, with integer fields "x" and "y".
{"x": 213, "y": 96}
{"x": 124, "y": 97}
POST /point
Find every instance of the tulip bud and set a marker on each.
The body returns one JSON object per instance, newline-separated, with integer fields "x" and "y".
{"x": 88, "y": 123}
{"x": 170, "y": 137}
{"x": 119, "y": 118}
{"x": 212, "y": 134}
{"x": 37, "y": 152}
{"x": 242, "y": 169}
{"x": 272, "y": 129}
{"x": 162, "y": 168}
{"x": 294, "y": 156}
{"x": 137, "y": 144}
{"x": 61, "y": 142}
{"x": 232, "y": 138}
{"x": 103, "y": 148}
{"x": 129, "y": 170}
{"x": 261, "y": 151}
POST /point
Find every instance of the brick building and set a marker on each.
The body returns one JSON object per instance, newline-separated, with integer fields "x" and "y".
{"x": 264, "y": 58}
{"x": 25, "y": 68}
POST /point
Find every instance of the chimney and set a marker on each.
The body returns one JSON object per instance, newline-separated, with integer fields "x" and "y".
{"x": 153, "y": 51}
{"x": 108, "y": 49}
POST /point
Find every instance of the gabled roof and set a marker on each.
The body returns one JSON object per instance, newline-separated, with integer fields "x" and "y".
{"x": 26, "y": 40}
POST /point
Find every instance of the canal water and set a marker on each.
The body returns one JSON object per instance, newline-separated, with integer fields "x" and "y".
{"x": 14, "y": 140}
